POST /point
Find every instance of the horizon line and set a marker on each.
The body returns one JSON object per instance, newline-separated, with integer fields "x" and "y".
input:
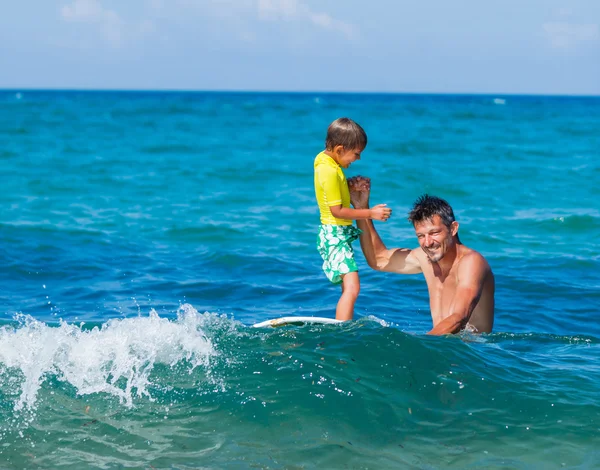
{"x": 336, "y": 92}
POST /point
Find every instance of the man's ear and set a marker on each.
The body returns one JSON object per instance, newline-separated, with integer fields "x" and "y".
{"x": 454, "y": 228}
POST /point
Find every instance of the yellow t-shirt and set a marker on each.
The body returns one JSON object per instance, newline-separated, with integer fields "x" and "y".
{"x": 331, "y": 189}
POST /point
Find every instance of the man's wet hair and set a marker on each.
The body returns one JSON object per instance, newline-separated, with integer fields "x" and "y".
{"x": 426, "y": 206}
{"x": 347, "y": 133}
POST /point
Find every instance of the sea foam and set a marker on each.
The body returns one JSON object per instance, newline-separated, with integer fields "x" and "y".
{"x": 115, "y": 358}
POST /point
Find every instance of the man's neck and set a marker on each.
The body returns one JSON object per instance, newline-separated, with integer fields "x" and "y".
{"x": 445, "y": 264}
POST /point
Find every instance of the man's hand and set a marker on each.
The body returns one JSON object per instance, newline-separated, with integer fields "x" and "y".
{"x": 360, "y": 189}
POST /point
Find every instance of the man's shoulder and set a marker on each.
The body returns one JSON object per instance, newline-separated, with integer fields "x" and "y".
{"x": 472, "y": 259}
{"x": 418, "y": 254}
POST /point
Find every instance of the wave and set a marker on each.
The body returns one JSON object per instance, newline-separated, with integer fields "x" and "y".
{"x": 119, "y": 357}
{"x": 205, "y": 389}
{"x": 115, "y": 358}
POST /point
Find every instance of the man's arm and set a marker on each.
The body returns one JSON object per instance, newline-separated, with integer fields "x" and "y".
{"x": 395, "y": 260}
{"x": 398, "y": 260}
{"x": 472, "y": 272}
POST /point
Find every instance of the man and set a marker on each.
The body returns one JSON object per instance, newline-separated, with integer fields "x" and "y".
{"x": 460, "y": 281}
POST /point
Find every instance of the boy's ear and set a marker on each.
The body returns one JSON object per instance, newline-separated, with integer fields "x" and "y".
{"x": 338, "y": 149}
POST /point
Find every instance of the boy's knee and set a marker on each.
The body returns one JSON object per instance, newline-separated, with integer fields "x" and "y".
{"x": 351, "y": 285}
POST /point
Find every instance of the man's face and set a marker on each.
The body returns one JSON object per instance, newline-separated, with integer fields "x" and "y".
{"x": 435, "y": 238}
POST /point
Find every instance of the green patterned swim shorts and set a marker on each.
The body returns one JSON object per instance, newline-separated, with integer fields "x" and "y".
{"x": 334, "y": 245}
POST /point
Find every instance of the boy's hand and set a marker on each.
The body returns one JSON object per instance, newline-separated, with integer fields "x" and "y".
{"x": 381, "y": 212}
{"x": 360, "y": 188}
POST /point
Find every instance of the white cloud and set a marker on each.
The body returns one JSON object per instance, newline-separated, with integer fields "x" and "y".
{"x": 92, "y": 11}
{"x": 288, "y": 10}
{"x": 564, "y": 12}
{"x": 156, "y": 5}
{"x": 564, "y": 35}
{"x": 227, "y": 17}
{"x": 236, "y": 18}
{"x": 113, "y": 28}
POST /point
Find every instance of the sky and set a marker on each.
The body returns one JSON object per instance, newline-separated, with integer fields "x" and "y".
{"x": 404, "y": 46}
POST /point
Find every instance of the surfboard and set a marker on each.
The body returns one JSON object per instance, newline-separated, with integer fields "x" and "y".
{"x": 295, "y": 321}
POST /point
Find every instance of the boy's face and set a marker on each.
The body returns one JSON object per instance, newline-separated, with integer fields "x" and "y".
{"x": 345, "y": 157}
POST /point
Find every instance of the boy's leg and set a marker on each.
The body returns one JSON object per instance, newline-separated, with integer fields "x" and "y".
{"x": 350, "y": 290}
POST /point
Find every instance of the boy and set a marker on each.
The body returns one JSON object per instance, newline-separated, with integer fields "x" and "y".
{"x": 344, "y": 143}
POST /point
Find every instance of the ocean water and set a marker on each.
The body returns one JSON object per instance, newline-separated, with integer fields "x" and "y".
{"x": 143, "y": 233}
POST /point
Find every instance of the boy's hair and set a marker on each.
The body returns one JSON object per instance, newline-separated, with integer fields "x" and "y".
{"x": 426, "y": 206}
{"x": 347, "y": 133}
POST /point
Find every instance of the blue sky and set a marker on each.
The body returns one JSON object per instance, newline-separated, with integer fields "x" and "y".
{"x": 443, "y": 46}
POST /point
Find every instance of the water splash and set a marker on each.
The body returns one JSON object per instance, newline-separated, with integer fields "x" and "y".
{"x": 116, "y": 358}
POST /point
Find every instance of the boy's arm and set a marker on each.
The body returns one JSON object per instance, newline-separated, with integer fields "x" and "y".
{"x": 328, "y": 179}
{"x": 379, "y": 212}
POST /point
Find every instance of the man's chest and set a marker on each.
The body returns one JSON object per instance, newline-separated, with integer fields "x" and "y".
{"x": 441, "y": 289}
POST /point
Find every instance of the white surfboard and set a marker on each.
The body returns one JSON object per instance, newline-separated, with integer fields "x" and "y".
{"x": 295, "y": 321}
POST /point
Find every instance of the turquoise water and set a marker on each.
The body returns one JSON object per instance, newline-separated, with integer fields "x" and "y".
{"x": 142, "y": 233}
